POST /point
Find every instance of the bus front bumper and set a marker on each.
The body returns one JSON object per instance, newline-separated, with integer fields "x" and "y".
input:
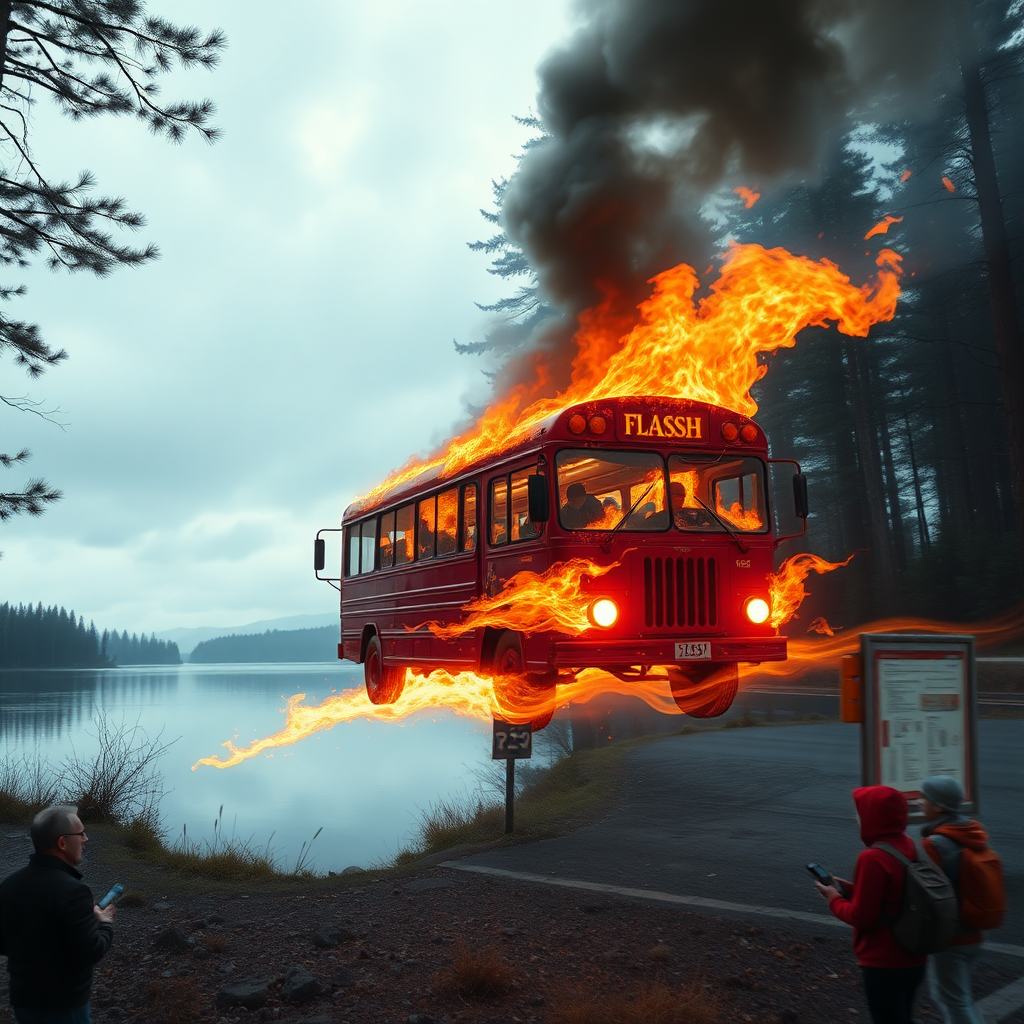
{"x": 612, "y": 653}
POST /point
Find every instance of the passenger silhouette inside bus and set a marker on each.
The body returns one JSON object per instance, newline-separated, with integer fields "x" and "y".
{"x": 683, "y": 517}
{"x": 580, "y": 509}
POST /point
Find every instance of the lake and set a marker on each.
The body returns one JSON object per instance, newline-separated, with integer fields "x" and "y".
{"x": 364, "y": 781}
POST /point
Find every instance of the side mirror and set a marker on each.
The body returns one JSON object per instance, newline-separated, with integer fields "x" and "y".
{"x": 319, "y": 554}
{"x": 537, "y": 493}
{"x": 800, "y": 494}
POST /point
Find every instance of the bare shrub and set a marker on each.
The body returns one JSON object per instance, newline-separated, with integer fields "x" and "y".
{"x": 120, "y": 783}
{"x": 172, "y": 1000}
{"x": 646, "y": 1004}
{"x": 476, "y": 973}
{"x": 27, "y": 785}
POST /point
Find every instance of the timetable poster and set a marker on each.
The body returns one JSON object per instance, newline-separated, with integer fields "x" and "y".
{"x": 922, "y": 697}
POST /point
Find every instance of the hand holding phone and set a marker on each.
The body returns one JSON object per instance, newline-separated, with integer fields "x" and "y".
{"x": 820, "y": 874}
{"x": 114, "y": 893}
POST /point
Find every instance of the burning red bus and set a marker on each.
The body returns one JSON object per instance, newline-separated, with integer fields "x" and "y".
{"x": 668, "y": 498}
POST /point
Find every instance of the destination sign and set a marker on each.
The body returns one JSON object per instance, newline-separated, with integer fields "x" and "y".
{"x": 655, "y": 426}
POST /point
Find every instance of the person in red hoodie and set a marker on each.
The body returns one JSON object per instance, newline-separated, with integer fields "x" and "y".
{"x": 872, "y": 899}
{"x": 945, "y": 833}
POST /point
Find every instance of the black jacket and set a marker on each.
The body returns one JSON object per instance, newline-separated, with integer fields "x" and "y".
{"x": 49, "y": 934}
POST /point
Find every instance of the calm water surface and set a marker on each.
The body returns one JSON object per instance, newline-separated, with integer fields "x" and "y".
{"x": 363, "y": 781}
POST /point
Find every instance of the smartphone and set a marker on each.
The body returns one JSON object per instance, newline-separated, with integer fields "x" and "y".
{"x": 820, "y": 874}
{"x": 115, "y": 891}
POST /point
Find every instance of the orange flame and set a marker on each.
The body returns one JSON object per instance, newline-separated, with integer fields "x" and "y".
{"x": 741, "y": 518}
{"x": 905, "y": 175}
{"x": 950, "y": 187}
{"x": 787, "y": 585}
{"x": 707, "y": 351}
{"x": 807, "y": 653}
{"x": 533, "y": 602}
{"x": 882, "y": 227}
{"x": 749, "y": 196}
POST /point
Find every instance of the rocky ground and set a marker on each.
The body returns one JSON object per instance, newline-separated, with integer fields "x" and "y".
{"x": 384, "y": 948}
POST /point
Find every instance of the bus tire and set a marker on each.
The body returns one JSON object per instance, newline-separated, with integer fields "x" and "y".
{"x": 508, "y": 662}
{"x": 719, "y": 683}
{"x": 384, "y": 682}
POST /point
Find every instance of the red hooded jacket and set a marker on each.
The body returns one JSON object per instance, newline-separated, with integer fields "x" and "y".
{"x": 878, "y": 879}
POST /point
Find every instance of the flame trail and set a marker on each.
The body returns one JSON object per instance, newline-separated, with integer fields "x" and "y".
{"x": 473, "y": 696}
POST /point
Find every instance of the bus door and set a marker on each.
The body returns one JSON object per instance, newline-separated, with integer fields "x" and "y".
{"x": 513, "y": 543}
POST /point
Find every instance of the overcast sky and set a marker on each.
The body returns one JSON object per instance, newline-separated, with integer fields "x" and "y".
{"x": 294, "y": 342}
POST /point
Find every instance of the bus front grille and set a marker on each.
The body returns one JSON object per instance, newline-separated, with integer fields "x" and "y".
{"x": 680, "y": 592}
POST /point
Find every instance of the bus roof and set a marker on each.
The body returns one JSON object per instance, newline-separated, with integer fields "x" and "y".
{"x": 644, "y": 421}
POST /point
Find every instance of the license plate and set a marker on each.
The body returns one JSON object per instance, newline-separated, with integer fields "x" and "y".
{"x": 694, "y": 651}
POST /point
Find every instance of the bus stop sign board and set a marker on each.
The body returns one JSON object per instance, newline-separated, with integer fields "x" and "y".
{"x": 919, "y": 701}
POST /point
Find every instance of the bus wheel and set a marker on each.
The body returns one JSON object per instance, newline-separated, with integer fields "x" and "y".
{"x": 383, "y": 682}
{"x": 508, "y": 664}
{"x": 704, "y": 691}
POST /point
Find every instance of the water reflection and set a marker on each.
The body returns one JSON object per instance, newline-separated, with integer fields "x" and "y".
{"x": 364, "y": 781}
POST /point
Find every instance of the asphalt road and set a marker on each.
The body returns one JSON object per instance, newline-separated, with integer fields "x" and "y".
{"x": 735, "y": 815}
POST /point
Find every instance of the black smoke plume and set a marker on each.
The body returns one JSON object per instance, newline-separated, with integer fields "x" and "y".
{"x": 652, "y": 105}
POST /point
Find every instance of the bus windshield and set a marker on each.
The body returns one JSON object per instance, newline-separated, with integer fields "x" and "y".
{"x": 734, "y": 489}
{"x": 596, "y": 489}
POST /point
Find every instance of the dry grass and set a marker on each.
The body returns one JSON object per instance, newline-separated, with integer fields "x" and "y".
{"x": 647, "y": 1004}
{"x": 479, "y": 974}
{"x": 172, "y": 1000}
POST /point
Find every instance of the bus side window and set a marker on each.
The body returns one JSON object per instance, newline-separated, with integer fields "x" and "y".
{"x": 352, "y": 561}
{"x": 469, "y": 517}
{"x": 447, "y": 521}
{"x": 386, "y": 551}
{"x": 499, "y": 511}
{"x": 522, "y": 528}
{"x": 426, "y": 524}
{"x": 368, "y": 545}
{"x": 405, "y": 527}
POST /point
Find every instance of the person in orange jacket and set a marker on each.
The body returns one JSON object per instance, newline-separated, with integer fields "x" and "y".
{"x": 868, "y": 903}
{"x": 945, "y": 833}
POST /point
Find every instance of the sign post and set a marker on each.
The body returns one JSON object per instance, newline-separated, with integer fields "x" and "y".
{"x": 918, "y": 703}
{"x": 509, "y": 743}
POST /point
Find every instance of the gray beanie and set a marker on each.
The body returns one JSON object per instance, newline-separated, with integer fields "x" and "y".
{"x": 944, "y": 791}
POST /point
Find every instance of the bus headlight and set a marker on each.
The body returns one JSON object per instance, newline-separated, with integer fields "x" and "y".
{"x": 604, "y": 613}
{"x": 757, "y": 610}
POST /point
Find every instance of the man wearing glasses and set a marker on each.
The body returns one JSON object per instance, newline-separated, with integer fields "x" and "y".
{"x": 51, "y": 931}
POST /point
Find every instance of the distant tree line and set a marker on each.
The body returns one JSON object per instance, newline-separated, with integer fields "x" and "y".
{"x": 315, "y": 644}
{"x": 54, "y": 638}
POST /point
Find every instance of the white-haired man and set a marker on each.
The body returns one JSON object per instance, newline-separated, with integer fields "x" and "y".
{"x": 51, "y": 930}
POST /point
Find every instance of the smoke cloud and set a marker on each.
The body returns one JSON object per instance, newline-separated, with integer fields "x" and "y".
{"x": 654, "y": 104}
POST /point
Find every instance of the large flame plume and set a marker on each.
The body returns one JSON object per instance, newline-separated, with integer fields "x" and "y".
{"x": 705, "y": 349}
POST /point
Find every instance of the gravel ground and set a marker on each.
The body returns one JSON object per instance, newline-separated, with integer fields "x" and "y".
{"x": 381, "y": 949}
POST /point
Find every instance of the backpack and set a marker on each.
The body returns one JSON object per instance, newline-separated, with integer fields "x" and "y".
{"x": 928, "y": 918}
{"x": 979, "y": 885}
